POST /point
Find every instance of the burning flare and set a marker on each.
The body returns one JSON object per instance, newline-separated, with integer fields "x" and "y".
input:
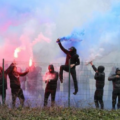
{"x": 17, "y": 50}
{"x": 30, "y": 62}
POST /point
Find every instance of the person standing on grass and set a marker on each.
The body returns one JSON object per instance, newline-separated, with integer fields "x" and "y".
{"x": 115, "y": 78}
{"x": 100, "y": 82}
{"x": 51, "y": 78}
{"x": 16, "y": 90}
{"x": 4, "y": 88}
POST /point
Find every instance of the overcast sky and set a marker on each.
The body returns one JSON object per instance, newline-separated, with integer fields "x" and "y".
{"x": 36, "y": 24}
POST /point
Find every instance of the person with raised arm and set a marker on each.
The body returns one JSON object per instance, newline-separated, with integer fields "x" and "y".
{"x": 100, "y": 82}
{"x": 73, "y": 57}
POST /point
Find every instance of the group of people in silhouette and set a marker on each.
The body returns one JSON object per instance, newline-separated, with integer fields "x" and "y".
{"x": 51, "y": 78}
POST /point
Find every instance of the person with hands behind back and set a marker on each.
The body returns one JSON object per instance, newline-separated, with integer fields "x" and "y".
{"x": 100, "y": 81}
{"x": 74, "y": 61}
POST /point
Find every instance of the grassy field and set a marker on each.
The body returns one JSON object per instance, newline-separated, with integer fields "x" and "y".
{"x": 57, "y": 113}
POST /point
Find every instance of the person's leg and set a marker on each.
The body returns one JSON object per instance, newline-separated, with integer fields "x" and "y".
{"x": 21, "y": 97}
{"x": 3, "y": 96}
{"x": 53, "y": 93}
{"x": 101, "y": 98}
{"x": 13, "y": 91}
{"x": 96, "y": 99}
{"x": 118, "y": 105}
{"x": 73, "y": 73}
{"x": 63, "y": 67}
{"x": 47, "y": 93}
{"x": 114, "y": 96}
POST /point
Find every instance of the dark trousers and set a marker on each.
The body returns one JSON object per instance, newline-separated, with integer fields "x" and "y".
{"x": 72, "y": 72}
{"x": 46, "y": 96}
{"x": 17, "y": 92}
{"x": 1, "y": 93}
{"x": 98, "y": 98}
{"x": 115, "y": 94}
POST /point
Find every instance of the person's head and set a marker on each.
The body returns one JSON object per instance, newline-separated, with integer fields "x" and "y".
{"x": 1, "y": 70}
{"x": 117, "y": 71}
{"x": 72, "y": 49}
{"x": 101, "y": 69}
{"x": 51, "y": 68}
{"x": 14, "y": 69}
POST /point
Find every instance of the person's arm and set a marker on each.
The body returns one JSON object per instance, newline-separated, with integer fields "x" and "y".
{"x": 24, "y": 73}
{"x": 113, "y": 77}
{"x": 61, "y": 47}
{"x": 93, "y": 66}
{"x": 54, "y": 79}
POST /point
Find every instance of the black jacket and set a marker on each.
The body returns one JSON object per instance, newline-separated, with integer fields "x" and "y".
{"x": 74, "y": 58}
{"x": 51, "y": 79}
{"x": 15, "y": 79}
{"x": 99, "y": 76}
{"x": 115, "y": 80}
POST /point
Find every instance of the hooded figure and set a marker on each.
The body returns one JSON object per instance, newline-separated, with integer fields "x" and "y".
{"x": 100, "y": 81}
{"x": 115, "y": 78}
{"x": 74, "y": 61}
{"x": 16, "y": 90}
{"x": 50, "y": 78}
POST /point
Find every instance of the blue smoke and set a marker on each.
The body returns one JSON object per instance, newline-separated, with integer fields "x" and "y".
{"x": 76, "y": 36}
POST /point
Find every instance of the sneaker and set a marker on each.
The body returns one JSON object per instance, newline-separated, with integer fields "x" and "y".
{"x": 75, "y": 92}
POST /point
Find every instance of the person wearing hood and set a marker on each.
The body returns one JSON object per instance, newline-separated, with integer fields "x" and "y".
{"x": 100, "y": 82}
{"x": 74, "y": 61}
{"x": 51, "y": 78}
{"x": 16, "y": 90}
{"x": 115, "y": 78}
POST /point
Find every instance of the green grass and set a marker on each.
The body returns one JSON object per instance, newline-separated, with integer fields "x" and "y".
{"x": 57, "y": 113}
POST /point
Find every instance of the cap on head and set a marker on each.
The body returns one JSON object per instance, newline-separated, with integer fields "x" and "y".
{"x": 51, "y": 68}
{"x": 101, "y": 68}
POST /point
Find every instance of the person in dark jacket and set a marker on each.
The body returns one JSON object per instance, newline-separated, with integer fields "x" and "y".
{"x": 51, "y": 79}
{"x": 16, "y": 90}
{"x": 3, "y": 89}
{"x": 100, "y": 82}
{"x": 71, "y": 56}
{"x": 115, "y": 78}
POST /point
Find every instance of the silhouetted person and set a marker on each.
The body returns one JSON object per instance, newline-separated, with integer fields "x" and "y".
{"x": 50, "y": 78}
{"x": 100, "y": 81}
{"x": 74, "y": 61}
{"x": 16, "y": 90}
{"x": 32, "y": 81}
{"x": 3, "y": 89}
{"x": 115, "y": 78}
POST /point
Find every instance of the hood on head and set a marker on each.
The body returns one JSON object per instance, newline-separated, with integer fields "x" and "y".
{"x": 51, "y": 68}
{"x": 117, "y": 71}
{"x": 72, "y": 49}
{"x": 101, "y": 68}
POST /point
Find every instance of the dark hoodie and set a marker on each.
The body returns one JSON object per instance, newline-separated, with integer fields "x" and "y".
{"x": 15, "y": 78}
{"x": 70, "y": 55}
{"x": 115, "y": 80}
{"x": 51, "y": 78}
{"x": 99, "y": 76}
